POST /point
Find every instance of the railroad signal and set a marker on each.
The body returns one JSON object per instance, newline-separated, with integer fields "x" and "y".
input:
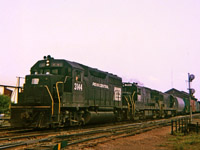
{"x": 191, "y": 77}
{"x": 192, "y": 91}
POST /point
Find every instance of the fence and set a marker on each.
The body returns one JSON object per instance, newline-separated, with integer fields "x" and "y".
{"x": 183, "y": 125}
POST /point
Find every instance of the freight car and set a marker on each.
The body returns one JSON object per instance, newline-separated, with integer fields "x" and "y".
{"x": 63, "y": 93}
{"x": 60, "y": 93}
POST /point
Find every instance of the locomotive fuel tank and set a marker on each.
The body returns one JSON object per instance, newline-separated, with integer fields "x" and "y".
{"x": 99, "y": 117}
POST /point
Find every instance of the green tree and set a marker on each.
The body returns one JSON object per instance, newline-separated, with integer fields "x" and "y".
{"x": 4, "y": 103}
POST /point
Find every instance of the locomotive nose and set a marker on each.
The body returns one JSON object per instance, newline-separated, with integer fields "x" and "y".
{"x": 42, "y": 79}
{"x": 35, "y": 80}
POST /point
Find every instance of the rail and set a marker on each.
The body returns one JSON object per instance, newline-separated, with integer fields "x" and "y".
{"x": 70, "y": 139}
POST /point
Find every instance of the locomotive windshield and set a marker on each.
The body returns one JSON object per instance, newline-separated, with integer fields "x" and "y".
{"x": 54, "y": 71}
{"x": 48, "y": 66}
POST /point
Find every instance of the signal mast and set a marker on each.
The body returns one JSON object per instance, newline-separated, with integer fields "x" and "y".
{"x": 191, "y": 77}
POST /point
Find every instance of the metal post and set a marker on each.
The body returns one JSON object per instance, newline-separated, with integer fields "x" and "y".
{"x": 190, "y": 110}
{"x": 18, "y": 78}
{"x": 172, "y": 132}
{"x": 185, "y": 126}
{"x": 182, "y": 125}
{"x": 190, "y": 98}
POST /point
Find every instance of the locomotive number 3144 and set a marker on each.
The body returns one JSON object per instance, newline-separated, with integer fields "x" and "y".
{"x": 78, "y": 86}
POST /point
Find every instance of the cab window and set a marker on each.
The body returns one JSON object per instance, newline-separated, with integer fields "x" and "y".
{"x": 139, "y": 91}
{"x": 41, "y": 71}
{"x": 69, "y": 71}
{"x": 78, "y": 76}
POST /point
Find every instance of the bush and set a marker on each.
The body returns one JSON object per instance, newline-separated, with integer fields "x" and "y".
{"x": 4, "y": 104}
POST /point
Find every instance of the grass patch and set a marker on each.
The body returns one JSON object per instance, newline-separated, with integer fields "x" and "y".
{"x": 180, "y": 142}
{"x": 162, "y": 145}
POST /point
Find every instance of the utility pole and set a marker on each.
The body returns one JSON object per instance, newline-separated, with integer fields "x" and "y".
{"x": 191, "y": 92}
{"x": 18, "y": 78}
{"x": 18, "y": 90}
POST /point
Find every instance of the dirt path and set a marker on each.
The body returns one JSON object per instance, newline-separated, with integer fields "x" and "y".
{"x": 151, "y": 140}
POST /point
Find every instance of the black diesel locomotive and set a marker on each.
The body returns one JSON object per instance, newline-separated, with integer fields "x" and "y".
{"x": 62, "y": 93}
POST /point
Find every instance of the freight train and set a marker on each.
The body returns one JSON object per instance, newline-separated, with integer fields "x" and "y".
{"x": 63, "y": 93}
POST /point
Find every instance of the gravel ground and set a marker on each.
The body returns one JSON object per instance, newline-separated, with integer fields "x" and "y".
{"x": 151, "y": 140}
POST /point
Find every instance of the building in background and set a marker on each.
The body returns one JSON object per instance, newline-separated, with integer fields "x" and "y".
{"x": 6, "y": 91}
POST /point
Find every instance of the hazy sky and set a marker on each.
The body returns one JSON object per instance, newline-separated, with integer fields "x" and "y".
{"x": 155, "y": 42}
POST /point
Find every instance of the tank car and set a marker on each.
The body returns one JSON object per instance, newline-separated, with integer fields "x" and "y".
{"x": 60, "y": 93}
{"x": 180, "y": 105}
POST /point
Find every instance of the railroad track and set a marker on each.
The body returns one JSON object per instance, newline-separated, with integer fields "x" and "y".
{"x": 5, "y": 129}
{"x": 82, "y": 137}
{"x": 68, "y": 139}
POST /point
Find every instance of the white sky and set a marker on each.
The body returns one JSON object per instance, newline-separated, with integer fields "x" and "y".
{"x": 155, "y": 42}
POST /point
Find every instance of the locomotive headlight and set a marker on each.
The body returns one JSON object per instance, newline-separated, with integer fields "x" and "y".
{"x": 47, "y": 63}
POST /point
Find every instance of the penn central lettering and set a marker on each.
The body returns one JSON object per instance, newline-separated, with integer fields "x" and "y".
{"x": 100, "y": 85}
